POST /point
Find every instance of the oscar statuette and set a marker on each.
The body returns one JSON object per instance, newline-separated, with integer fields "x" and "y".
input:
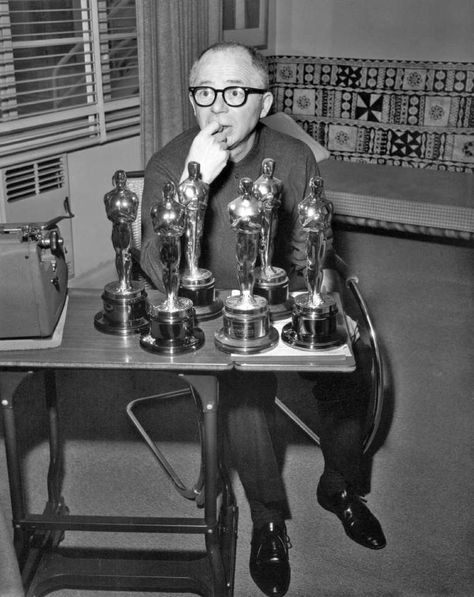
{"x": 124, "y": 301}
{"x": 270, "y": 282}
{"x": 172, "y": 321}
{"x": 314, "y": 314}
{"x": 246, "y": 316}
{"x": 197, "y": 284}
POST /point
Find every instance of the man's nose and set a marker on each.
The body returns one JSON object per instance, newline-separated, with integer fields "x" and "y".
{"x": 219, "y": 104}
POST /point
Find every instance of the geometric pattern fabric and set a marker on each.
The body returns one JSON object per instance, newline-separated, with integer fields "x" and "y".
{"x": 411, "y": 114}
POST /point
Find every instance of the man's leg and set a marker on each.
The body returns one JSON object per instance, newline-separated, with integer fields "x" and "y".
{"x": 342, "y": 408}
{"x": 247, "y": 415}
{"x": 341, "y": 426}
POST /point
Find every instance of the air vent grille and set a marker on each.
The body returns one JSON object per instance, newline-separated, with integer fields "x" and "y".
{"x": 34, "y": 178}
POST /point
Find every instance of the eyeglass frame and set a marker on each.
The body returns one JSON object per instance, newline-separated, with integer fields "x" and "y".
{"x": 247, "y": 91}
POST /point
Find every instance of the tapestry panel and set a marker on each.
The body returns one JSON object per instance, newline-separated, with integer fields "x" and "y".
{"x": 413, "y": 114}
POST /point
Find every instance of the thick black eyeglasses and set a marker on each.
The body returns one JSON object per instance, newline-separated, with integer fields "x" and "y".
{"x": 233, "y": 96}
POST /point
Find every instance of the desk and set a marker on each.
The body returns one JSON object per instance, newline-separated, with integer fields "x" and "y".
{"x": 37, "y": 536}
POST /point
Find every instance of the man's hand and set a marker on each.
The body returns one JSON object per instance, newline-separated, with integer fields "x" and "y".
{"x": 209, "y": 149}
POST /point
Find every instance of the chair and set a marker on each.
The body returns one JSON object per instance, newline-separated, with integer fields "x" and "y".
{"x": 135, "y": 182}
{"x": 366, "y": 331}
{"x": 282, "y": 122}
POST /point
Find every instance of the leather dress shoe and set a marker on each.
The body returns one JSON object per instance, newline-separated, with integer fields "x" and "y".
{"x": 358, "y": 521}
{"x": 269, "y": 564}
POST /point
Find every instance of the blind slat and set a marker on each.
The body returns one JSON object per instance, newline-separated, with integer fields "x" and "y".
{"x": 54, "y": 117}
{"x": 46, "y": 43}
{"x": 77, "y": 68}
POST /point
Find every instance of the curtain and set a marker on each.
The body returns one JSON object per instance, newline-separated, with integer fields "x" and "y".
{"x": 171, "y": 35}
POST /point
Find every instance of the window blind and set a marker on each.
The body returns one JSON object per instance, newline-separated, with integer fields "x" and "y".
{"x": 68, "y": 75}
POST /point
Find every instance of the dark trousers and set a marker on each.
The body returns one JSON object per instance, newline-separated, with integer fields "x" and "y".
{"x": 247, "y": 418}
{"x": 342, "y": 403}
{"x": 341, "y": 444}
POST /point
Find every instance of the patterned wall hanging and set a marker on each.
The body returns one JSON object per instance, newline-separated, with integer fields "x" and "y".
{"x": 414, "y": 114}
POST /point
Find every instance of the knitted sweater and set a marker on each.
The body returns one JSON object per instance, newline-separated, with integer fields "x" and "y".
{"x": 294, "y": 166}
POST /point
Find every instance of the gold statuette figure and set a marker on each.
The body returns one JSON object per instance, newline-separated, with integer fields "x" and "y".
{"x": 271, "y": 282}
{"x": 197, "y": 284}
{"x": 314, "y": 323}
{"x": 172, "y": 321}
{"x": 247, "y": 326}
{"x": 124, "y": 301}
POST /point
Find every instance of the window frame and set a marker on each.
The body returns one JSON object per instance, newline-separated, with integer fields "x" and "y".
{"x": 98, "y": 119}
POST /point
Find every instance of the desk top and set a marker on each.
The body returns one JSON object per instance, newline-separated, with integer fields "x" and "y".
{"x": 84, "y": 347}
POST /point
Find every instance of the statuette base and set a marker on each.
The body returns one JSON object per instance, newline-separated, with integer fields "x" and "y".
{"x": 124, "y": 312}
{"x": 246, "y": 345}
{"x": 172, "y": 332}
{"x": 246, "y": 328}
{"x": 273, "y": 286}
{"x": 313, "y": 326}
{"x": 202, "y": 293}
{"x": 173, "y": 347}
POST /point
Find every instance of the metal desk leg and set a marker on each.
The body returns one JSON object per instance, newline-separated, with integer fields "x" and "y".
{"x": 46, "y": 568}
{"x": 219, "y": 538}
{"x": 9, "y": 382}
{"x": 55, "y": 504}
{"x": 30, "y": 544}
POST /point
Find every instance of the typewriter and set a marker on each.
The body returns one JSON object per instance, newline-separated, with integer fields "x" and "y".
{"x": 33, "y": 279}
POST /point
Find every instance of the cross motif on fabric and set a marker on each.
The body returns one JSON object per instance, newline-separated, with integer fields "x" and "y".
{"x": 369, "y": 107}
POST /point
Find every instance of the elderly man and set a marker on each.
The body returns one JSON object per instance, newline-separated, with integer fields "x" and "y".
{"x": 229, "y": 95}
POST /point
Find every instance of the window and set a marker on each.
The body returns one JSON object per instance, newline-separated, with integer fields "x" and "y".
{"x": 68, "y": 75}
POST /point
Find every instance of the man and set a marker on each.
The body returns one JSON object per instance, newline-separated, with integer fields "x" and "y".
{"x": 229, "y": 95}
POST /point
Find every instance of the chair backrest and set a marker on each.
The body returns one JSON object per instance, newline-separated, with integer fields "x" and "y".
{"x": 135, "y": 181}
{"x": 285, "y": 124}
{"x": 135, "y": 184}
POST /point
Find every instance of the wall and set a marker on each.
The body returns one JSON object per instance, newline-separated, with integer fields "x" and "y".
{"x": 90, "y": 177}
{"x": 404, "y": 29}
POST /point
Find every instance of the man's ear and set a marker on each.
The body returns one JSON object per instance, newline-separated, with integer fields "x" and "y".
{"x": 267, "y": 102}
{"x": 190, "y": 96}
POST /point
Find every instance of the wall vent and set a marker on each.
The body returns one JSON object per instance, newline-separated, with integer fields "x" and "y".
{"x": 34, "y": 178}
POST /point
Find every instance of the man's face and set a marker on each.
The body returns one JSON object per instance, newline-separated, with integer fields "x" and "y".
{"x": 226, "y": 68}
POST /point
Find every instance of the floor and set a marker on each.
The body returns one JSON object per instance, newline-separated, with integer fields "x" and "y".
{"x": 421, "y": 482}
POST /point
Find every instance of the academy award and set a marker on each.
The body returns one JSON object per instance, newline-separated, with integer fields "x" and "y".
{"x": 270, "y": 282}
{"x": 124, "y": 301}
{"x": 246, "y": 316}
{"x": 172, "y": 321}
{"x": 314, "y": 314}
{"x": 197, "y": 284}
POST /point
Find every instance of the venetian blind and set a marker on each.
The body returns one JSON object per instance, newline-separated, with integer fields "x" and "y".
{"x": 68, "y": 75}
